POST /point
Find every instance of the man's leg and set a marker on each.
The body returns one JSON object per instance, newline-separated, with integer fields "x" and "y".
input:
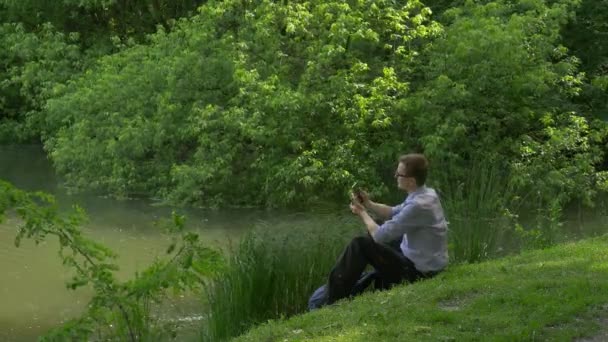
{"x": 392, "y": 266}
{"x": 410, "y": 275}
{"x": 364, "y": 281}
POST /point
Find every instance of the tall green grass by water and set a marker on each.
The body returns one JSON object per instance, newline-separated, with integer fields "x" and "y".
{"x": 273, "y": 271}
{"x": 477, "y": 212}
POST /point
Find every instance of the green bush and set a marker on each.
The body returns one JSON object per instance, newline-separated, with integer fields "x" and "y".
{"x": 498, "y": 86}
{"x": 278, "y": 104}
{"x": 246, "y": 103}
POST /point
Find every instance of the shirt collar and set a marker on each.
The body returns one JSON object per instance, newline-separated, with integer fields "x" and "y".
{"x": 418, "y": 191}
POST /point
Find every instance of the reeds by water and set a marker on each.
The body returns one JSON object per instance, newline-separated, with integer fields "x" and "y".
{"x": 272, "y": 273}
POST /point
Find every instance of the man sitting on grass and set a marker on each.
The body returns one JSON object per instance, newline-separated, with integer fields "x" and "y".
{"x": 418, "y": 223}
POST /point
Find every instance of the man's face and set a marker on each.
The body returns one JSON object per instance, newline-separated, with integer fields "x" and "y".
{"x": 404, "y": 182}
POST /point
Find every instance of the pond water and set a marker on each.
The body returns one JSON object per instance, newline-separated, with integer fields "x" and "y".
{"x": 33, "y": 295}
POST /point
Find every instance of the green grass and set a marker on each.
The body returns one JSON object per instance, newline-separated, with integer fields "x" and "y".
{"x": 549, "y": 294}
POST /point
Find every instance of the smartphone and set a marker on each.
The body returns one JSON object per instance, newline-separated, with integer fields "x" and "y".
{"x": 359, "y": 196}
{"x": 357, "y": 191}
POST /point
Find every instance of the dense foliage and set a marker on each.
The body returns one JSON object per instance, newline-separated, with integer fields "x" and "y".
{"x": 586, "y": 35}
{"x": 273, "y": 104}
{"x": 503, "y": 94}
{"x": 46, "y": 43}
{"x": 97, "y": 18}
{"x": 268, "y": 103}
{"x": 31, "y": 65}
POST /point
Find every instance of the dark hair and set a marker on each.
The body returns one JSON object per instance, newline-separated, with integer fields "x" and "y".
{"x": 416, "y": 166}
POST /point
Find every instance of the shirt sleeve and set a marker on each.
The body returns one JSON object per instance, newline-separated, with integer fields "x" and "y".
{"x": 409, "y": 215}
{"x": 396, "y": 209}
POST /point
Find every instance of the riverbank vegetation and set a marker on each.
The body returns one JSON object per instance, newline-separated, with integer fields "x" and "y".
{"x": 555, "y": 294}
{"x": 272, "y": 272}
{"x": 287, "y": 104}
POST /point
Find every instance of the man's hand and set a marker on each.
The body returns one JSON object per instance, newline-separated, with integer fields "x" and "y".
{"x": 362, "y": 197}
{"x": 382, "y": 210}
{"x": 356, "y": 207}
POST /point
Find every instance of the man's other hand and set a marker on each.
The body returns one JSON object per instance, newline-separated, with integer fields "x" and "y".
{"x": 356, "y": 207}
{"x": 362, "y": 197}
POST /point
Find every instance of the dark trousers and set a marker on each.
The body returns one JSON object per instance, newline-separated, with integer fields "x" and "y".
{"x": 391, "y": 266}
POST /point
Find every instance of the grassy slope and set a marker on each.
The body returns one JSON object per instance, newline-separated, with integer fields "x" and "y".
{"x": 551, "y": 294}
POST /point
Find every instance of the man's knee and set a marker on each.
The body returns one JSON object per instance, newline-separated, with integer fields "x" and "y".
{"x": 362, "y": 240}
{"x": 361, "y": 243}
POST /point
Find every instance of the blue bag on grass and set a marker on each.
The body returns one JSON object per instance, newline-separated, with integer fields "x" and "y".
{"x": 319, "y": 297}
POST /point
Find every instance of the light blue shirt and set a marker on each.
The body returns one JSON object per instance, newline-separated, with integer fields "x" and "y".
{"x": 421, "y": 222}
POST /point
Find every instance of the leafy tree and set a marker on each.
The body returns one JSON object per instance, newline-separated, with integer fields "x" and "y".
{"x": 254, "y": 103}
{"x": 499, "y": 86}
{"x": 270, "y": 103}
{"x": 45, "y": 43}
{"x": 31, "y": 65}
{"x": 586, "y": 36}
